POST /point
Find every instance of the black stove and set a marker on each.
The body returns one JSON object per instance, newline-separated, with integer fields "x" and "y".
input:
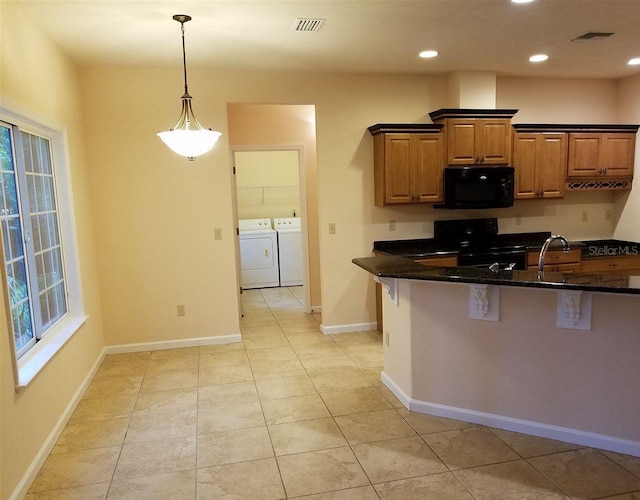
{"x": 479, "y": 244}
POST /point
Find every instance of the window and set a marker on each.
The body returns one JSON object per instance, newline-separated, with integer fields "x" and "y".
{"x": 32, "y": 248}
{"x": 36, "y": 221}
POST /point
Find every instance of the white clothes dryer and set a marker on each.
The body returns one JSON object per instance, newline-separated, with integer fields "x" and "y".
{"x": 289, "y": 231}
{"x": 258, "y": 254}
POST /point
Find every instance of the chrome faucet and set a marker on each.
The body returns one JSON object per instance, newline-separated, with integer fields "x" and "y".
{"x": 545, "y": 247}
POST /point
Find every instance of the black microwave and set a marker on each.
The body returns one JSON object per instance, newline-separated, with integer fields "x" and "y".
{"x": 478, "y": 186}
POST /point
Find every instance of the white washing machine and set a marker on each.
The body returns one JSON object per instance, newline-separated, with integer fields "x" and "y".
{"x": 289, "y": 231}
{"x": 258, "y": 254}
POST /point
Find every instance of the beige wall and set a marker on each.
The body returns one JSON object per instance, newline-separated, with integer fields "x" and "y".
{"x": 559, "y": 100}
{"x": 156, "y": 212}
{"x": 36, "y": 75}
{"x": 628, "y": 205}
{"x": 278, "y": 125}
{"x": 267, "y": 184}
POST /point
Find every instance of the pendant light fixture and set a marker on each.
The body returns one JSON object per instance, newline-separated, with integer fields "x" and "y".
{"x": 188, "y": 138}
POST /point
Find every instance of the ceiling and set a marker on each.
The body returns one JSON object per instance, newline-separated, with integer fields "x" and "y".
{"x": 359, "y": 36}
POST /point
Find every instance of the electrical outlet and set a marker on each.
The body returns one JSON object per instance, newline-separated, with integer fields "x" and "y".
{"x": 392, "y": 225}
{"x": 181, "y": 311}
{"x": 332, "y": 228}
{"x": 585, "y": 216}
{"x": 607, "y": 215}
{"x": 217, "y": 233}
{"x": 518, "y": 220}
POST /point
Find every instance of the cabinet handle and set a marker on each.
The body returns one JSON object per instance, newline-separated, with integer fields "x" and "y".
{"x": 266, "y": 252}
{"x": 613, "y": 264}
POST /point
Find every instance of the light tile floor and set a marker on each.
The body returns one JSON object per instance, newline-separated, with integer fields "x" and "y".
{"x": 292, "y": 413}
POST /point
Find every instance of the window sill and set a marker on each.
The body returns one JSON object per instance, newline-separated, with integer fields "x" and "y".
{"x": 38, "y": 356}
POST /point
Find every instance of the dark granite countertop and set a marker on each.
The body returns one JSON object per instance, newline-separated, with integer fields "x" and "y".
{"x": 402, "y": 267}
{"x": 429, "y": 247}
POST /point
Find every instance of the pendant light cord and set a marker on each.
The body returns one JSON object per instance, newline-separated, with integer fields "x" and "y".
{"x": 184, "y": 62}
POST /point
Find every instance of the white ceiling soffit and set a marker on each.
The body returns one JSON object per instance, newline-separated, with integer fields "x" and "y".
{"x": 359, "y": 36}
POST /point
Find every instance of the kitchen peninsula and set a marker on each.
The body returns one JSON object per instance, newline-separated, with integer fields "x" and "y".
{"x": 553, "y": 355}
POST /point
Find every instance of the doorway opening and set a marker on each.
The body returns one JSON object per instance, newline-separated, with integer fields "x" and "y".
{"x": 273, "y": 150}
{"x": 270, "y": 188}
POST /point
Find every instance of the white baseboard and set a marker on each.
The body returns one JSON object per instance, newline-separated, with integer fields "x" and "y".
{"x": 32, "y": 471}
{"x": 355, "y": 327}
{"x": 173, "y": 344}
{"x": 393, "y": 387}
{"x": 316, "y": 309}
{"x": 566, "y": 434}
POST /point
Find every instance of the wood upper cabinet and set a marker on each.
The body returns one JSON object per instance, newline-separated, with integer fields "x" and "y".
{"x": 476, "y": 136}
{"x": 478, "y": 141}
{"x": 408, "y": 164}
{"x": 540, "y": 162}
{"x": 601, "y": 154}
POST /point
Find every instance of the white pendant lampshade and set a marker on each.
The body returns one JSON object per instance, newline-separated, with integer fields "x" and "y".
{"x": 188, "y": 138}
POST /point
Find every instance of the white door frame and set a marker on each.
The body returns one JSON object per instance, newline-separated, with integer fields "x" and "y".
{"x": 302, "y": 182}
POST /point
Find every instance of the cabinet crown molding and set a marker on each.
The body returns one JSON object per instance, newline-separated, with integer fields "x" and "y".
{"x": 396, "y": 128}
{"x": 559, "y": 128}
{"x": 443, "y": 113}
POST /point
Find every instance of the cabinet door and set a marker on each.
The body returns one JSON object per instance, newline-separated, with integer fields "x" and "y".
{"x": 540, "y": 161}
{"x": 524, "y": 163}
{"x": 551, "y": 164}
{"x": 617, "y": 154}
{"x": 609, "y": 264}
{"x": 494, "y": 142}
{"x": 584, "y": 151}
{"x": 462, "y": 140}
{"x": 427, "y": 167}
{"x": 397, "y": 168}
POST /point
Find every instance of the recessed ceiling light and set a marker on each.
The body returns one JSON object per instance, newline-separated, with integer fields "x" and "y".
{"x": 521, "y": 1}
{"x": 427, "y": 54}
{"x": 539, "y": 58}
{"x": 634, "y": 62}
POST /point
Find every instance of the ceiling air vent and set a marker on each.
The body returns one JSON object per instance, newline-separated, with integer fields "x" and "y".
{"x": 593, "y": 35}
{"x": 308, "y": 24}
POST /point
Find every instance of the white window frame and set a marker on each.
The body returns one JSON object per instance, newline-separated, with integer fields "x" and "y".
{"x": 36, "y": 358}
